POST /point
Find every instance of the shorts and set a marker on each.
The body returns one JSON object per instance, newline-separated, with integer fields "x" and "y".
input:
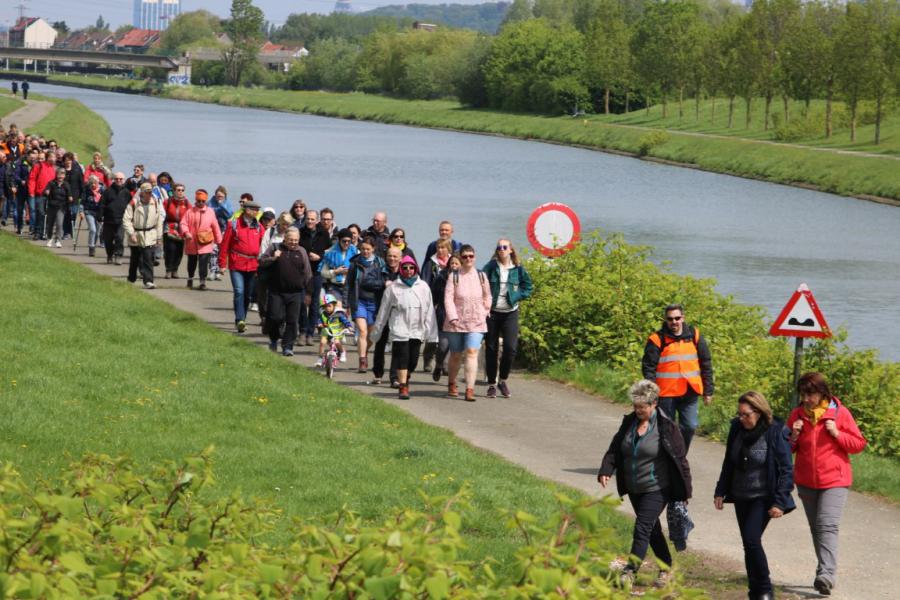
{"x": 460, "y": 341}
{"x": 365, "y": 309}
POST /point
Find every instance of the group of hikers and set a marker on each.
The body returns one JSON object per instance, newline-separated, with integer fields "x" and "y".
{"x": 311, "y": 281}
{"x": 648, "y": 457}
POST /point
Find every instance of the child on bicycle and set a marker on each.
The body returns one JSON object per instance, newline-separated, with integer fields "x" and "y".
{"x": 333, "y": 323}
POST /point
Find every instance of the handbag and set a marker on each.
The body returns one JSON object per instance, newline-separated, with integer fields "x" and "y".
{"x": 205, "y": 237}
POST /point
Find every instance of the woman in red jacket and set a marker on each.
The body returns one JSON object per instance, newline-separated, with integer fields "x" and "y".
{"x": 823, "y": 435}
{"x": 239, "y": 253}
{"x": 173, "y": 244}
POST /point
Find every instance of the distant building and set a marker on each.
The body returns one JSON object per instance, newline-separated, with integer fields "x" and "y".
{"x": 155, "y": 14}
{"x": 32, "y": 32}
{"x": 136, "y": 41}
{"x": 95, "y": 41}
{"x": 343, "y": 6}
{"x": 279, "y": 56}
{"x": 424, "y": 26}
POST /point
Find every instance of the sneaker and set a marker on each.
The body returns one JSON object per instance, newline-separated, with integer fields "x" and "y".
{"x": 343, "y": 356}
{"x": 319, "y": 362}
{"x": 109, "y": 260}
{"x": 374, "y": 381}
{"x": 175, "y": 275}
{"x": 168, "y": 275}
{"x": 202, "y": 287}
{"x": 470, "y": 395}
{"x": 287, "y": 352}
{"x": 58, "y": 244}
{"x": 436, "y": 374}
{"x": 395, "y": 384}
{"x": 117, "y": 260}
{"x": 403, "y": 394}
{"x": 492, "y": 391}
{"x": 190, "y": 284}
{"x": 822, "y": 586}
{"x": 241, "y": 326}
{"x": 363, "y": 364}
{"x": 149, "y": 285}
{"x": 273, "y": 346}
{"x": 626, "y": 579}
{"x": 504, "y": 389}
{"x": 92, "y": 251}
{"x": 664, "y": 579}
{"x": 452, "y": 392}
{"x": 308, "y": 341}
{"x": 50, "y": 243}
{"x": 254, "y": 307}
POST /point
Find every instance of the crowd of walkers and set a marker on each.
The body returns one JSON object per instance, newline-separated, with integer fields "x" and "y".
{"x": 313, "y": 282}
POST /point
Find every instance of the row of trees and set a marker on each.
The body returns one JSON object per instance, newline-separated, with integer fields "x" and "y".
{"x": 555, "y": 56}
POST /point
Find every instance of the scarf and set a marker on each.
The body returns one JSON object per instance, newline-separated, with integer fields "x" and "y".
{"x": 816, "y": 413}
{"x": 442, "y": 261}
{"x": 412, "y": 280}
{"x": 748, "y": 438}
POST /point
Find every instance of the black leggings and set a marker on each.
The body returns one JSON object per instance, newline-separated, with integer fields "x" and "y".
{"x": 203, "y": 259}
{"x": 378, "y": 358}
{"x": 647, "y": 530}
{"x": 505, "y": 324}
{"x": 173, "y": 252}
{"x": 405, "y": 355}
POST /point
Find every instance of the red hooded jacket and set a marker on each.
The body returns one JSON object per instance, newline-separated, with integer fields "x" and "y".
{"x": 239, "y": 250}
{"x": 822, "y": 461}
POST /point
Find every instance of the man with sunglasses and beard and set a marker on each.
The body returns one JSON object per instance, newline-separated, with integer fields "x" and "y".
{"x": 677, "y": 358}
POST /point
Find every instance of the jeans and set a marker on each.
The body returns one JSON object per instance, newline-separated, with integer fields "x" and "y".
{"x": 93, "y": 231}
{"x": 647, "y": 530}
{"x": 823, "y": 510}
{"x": 284, "y": 309}
{"x": 686, "y": 410}
{"x": 9, "y": 210}
{"x": 506, "y": 325}
{"x": 38, "y": 208}
{"x": 21, "y": 204}
{"x": 141, "y": 257}
{"x": 753, "y": 517}
{"x": 173, "y": 251}
{"x": 203, "y": 259}
{"x": 242, "y": 283}
{"x": 309, "y": 315}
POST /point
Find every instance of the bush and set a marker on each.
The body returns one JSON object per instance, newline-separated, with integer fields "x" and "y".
{"x": 651, "y": 140}
{"x": 105, "y": 530}
{"x": 802, "y": 128}
{"x": 599, "y": 302}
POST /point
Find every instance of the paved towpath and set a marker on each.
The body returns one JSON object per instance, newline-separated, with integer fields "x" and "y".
{"x": 27, "y": 116}
{"x": 560, "y": 434}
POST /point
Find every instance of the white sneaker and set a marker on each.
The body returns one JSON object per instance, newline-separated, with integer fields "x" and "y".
{"x": 58, "y": 243}
{"x": 253, "y": 307}
{"x": 50, "y": 243}
{"x": 343, "y": 356}
{"x": 149, "y": 286}
{"x": 319, "y": 363}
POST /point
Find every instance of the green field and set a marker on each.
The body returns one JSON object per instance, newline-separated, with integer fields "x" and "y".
{"x": 76, "y": 127}
{"x": 8, "y": 105}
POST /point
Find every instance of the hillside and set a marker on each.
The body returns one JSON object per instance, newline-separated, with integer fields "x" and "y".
{"x": 485, "y": 17}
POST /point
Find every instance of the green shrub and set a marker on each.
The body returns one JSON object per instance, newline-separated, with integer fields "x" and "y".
{"x": 599, "y": 303}
{"x": 105, "y": 530}
{"x": 798, "y": 128}
{"x": 651, "y": 140}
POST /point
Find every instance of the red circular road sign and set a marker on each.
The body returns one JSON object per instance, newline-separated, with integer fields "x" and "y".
{"x": 553, "y": 229}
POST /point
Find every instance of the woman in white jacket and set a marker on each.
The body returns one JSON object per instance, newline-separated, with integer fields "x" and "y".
{"x": 408, "y": 309}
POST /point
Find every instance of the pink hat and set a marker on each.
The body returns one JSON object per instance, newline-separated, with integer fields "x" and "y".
{"x": 409, "y": 260}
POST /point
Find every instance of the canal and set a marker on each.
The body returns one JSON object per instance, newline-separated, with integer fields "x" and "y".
{"x": 758, "y": 240}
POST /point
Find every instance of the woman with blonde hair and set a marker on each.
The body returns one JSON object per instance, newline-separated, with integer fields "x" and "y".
{"x": 757, "y": 476}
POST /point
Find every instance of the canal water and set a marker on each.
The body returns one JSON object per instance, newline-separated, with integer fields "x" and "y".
{"x": 758, "y": 240}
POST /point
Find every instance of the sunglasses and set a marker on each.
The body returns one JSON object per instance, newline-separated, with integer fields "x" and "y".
{"x": 502, "y": 247}
{"x": 408, "y": 268}
{"x": 673, "y": 319}
{"x": 744, "y": 415}
{"x": 399, "y": 236}
{"x": 467, "y": 256}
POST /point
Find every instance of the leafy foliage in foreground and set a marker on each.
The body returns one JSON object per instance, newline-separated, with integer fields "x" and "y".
{"x": 106, "y": 530}
{"x": 601, "y": 301}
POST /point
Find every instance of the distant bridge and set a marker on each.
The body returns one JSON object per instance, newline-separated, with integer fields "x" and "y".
{"x": 176, "y": 66}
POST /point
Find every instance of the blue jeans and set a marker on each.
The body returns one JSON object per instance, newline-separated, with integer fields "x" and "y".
{"x": 687, "y": 410}
{"x": 243, "y": 283}
{"x": 93, "y": 233}
{"x": 21, "y": 203}
{"x": 37, "y": 208}
{"x": 309, "y": 315}
{"x": 9, "y": 209}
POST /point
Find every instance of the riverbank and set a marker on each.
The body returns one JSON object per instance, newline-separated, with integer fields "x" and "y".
{"x": 868, "y": 177}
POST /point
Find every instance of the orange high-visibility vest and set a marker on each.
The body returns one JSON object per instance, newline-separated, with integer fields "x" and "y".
{"x": 678, "y": 367}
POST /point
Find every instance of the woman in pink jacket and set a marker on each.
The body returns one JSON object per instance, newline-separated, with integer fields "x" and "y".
{"x": 200, "y": 230}
{"x": 467, "y": 301}
{"x": 823, "y": 436}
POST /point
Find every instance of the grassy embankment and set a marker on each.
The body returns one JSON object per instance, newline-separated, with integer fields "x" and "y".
{"x": 8, "y": 105}
{"x": 76, "y": 128}
{"x": 839, "y": 173}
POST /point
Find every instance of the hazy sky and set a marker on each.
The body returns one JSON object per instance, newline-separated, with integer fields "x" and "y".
{"x": 78, "y": 13}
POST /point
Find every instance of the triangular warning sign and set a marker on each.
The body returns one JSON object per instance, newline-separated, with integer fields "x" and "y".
{"x": 801, "y": 317}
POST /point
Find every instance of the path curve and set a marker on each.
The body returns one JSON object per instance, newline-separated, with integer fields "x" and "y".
{"x": 560, "y": 433}
{"x": 28, "y": 116}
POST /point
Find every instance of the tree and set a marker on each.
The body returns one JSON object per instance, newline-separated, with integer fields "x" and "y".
{"x": 856, "y": 58}
{"x": 520, "y": 10}
{"x": 100, "y": 25}
{"x": 607, "y": 53}
{"x": 190, "y": 28}
{"x": 769, "y": 22}
{"x": 60, "y": 27}
{"x": 245, "y": 30}
{"x": 884, "y": 22}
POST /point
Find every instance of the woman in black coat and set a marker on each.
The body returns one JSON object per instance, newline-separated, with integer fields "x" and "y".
{"x": 649, "y": 460}
{"x": 757, "y": 476}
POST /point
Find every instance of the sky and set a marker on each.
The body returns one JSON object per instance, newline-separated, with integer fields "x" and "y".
{"x": 80, "y": 13}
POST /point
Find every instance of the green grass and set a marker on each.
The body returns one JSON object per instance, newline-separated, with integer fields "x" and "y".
{"x": 76, "y": 128}
{"x": 93, "y": 365}
{"x": 8, "y": 104}
{"x": 849, "y": 175}
{"x": 873, "y": 475}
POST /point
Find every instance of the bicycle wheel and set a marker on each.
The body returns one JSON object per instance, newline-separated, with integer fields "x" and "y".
{"x": 330, "y": 359}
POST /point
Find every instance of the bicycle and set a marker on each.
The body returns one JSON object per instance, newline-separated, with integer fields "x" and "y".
{"x": 333, "y": 355}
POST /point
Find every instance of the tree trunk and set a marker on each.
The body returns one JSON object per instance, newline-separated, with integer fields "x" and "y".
{"x": 853, "y": 120}
{"x": 697, "y": 107}
{"x": 712, "y": 117}
{"x": 878, "y": 119}
{"x": 768, "y": 109}
{"x": 680, "y": 102}
{"x": 787, "y": 110}
{"x": 606, "y": 101}
{"x": 748, "y": 100}
{"x": 627, "y": 101}
{"x": 647, "y": 102}
{"x": 730, "y": 112}
{"x": 828, "y": 97}
{"x": 665, "y": 106}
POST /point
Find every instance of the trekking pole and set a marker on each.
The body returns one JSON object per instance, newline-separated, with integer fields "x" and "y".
{"x": 77, "y": 231}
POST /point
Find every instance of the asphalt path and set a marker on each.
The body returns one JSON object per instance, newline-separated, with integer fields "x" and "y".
{"x": 560, "y": 433}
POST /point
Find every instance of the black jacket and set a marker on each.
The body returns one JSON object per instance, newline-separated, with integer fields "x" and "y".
{"x": 75, "y": 179}
{"x": 315, "y": 241}
{"x": 779, "y": 466}
{"x": 366, "y": 281}
{"x": 652, "y": 352}
{"x": 58, "y": 194}
{"x": 114, "y": 202}
{"x": 288, "y": 273}
{"x": 671, "y": 443}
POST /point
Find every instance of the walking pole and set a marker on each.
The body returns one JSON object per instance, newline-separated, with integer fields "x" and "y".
{"x": 77, "y": 231}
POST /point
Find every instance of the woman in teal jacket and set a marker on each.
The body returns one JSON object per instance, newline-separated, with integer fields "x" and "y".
{"x": 510, "y": 284}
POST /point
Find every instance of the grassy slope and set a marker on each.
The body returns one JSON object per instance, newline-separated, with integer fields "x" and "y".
{"x": 7, "y": 105}
{"x": 76, "y": 127}
{"x": 876, "y": 475}
{"x": 850, "y": 175}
